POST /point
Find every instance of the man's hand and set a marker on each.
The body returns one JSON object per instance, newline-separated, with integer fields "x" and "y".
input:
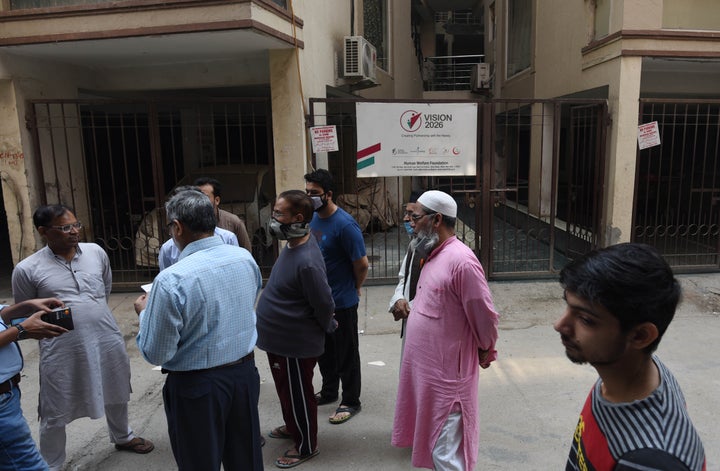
{"x": 401, "y": 309}
{"x": 483, "y": 358}
{"x": 38, "y": 329}
{"x": 140, "y": 303}
{"x": 43, "y": 304}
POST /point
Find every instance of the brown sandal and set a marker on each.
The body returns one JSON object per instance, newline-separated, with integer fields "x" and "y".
{"x": 136, "y": 445}
{"x": 280, "y": 432}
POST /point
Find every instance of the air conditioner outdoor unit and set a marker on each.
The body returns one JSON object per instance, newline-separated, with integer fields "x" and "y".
{"x": 360, "y": 58}
{"x": 480, "y": 76}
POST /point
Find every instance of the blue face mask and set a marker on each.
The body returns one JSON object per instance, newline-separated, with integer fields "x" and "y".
{"x": 408, "y": 228}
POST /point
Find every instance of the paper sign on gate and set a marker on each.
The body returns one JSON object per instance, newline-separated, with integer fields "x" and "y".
{"x": 648, "y": 135}
{"x": 324, "y": 139}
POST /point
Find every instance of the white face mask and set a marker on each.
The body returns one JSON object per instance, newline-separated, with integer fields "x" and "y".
{"x": 288, "y": 231}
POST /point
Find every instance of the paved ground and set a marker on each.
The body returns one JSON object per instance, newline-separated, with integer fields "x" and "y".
{"x": 529, "y": 399}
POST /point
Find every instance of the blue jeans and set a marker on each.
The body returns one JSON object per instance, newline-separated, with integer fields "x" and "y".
{"x": 17, "y": 448}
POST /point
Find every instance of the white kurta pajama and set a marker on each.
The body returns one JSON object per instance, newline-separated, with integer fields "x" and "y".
{"x": 87, "y": 368}
{"x": 452, "y": 317}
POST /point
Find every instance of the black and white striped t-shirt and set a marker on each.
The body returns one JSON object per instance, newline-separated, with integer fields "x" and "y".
{"x": 651, "y": 434}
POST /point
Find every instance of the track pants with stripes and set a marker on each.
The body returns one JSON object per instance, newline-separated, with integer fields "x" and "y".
{"x": 294, "y": 384}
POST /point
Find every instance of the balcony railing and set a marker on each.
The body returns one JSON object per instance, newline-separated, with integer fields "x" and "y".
{"x": 449, "y": 73}
{"x": 465, "y": 17}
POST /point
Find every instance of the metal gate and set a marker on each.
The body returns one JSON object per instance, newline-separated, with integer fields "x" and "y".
{"x": 534, "y": 204}
{"x": 114, "y": 162}
{"x": 677, "y": 184}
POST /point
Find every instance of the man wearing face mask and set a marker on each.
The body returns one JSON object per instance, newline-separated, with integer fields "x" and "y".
{"x": 401, "y": 301}
{"x": 451, "y": 333}
{"x": 294, "y": 312}
{"x": 343, "y": 248}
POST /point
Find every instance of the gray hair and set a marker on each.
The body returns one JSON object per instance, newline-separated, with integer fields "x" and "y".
{"x": 192, "y": 208}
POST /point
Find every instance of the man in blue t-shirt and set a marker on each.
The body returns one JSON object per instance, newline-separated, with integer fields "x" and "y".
{"x": 343, "y": 248}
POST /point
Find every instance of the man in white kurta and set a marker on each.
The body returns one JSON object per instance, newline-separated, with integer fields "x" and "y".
{"x": 451, "y": 333}
{"x": 401, "y": 301}
{"x": 85, "y": 372}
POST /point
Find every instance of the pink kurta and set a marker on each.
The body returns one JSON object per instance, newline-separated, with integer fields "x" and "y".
{"x": 452, "y": 316}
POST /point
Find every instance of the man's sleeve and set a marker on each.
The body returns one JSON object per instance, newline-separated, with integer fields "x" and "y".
{"x": 400, "y": 288}
{"x": 317, "y": 291}
{"x": 352, "y": 241}
{"x": 106, "y": 271}
{"x": 160, "y": 325}
{"x": 22, "y": 287}
{"x": 242, "y": 236}
{"x": 164, "y": 258}
{"x": 479, "y": 309}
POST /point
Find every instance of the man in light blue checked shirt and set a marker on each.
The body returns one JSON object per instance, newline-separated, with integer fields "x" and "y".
{"x": 198, "y": 323}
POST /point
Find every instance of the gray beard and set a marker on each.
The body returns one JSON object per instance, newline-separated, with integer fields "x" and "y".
{"x": 425, "y": 241}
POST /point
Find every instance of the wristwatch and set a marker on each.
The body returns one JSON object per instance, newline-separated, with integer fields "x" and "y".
{"x": 22, "y": 333}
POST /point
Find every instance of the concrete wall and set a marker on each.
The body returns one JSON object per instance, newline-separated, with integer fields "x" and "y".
{"x": 561, "y": 33}
{"x": 325, "y": 25}
{"x": 637, "y": 14}
{"x": 24, "y": 80}
{"x": 691, "y": 14}
{"x": 12, "y": 174}
{"x": 562, "y": 29}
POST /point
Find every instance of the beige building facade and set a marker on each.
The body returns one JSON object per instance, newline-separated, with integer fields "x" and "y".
{"x": 108, "y": 105}
{"x": 623, "y": 51}
{"x": 59, "y": 59}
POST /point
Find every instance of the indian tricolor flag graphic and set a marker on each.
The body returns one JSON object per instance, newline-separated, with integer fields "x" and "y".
{"x": 366, "y": 156}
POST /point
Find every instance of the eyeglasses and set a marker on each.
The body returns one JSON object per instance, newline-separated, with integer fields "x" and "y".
{"x": 277, "y": 214}
{"x": 67, "y": 227}
{"x": 417, "y": 217}
{"x": 311, "y": 193}
{"x": 169, "y": 226}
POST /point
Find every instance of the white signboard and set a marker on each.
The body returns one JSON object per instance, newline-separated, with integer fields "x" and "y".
{"x": 648, "y": 135}
{"x": 324, "y": 138}
{"x": 419, "y": 139}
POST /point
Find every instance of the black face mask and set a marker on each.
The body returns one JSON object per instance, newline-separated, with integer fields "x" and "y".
{"x": 319, "y": 201}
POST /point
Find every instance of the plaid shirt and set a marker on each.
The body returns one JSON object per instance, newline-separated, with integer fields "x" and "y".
{"x": 200, "y": 311}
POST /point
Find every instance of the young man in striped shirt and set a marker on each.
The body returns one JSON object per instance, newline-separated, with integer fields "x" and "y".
{"x": 620, "y": 300}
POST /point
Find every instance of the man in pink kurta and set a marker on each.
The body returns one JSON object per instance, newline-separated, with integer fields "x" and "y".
{"x": 451, "y": 332}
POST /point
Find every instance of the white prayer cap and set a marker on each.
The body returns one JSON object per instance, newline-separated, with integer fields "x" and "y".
{"x": 440, "y": 202}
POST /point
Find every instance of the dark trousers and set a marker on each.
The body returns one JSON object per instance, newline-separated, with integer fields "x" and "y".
{"x": 212, "y": 418}
{"x": 293, "y": 382}
{"x": 341, "y": 359}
